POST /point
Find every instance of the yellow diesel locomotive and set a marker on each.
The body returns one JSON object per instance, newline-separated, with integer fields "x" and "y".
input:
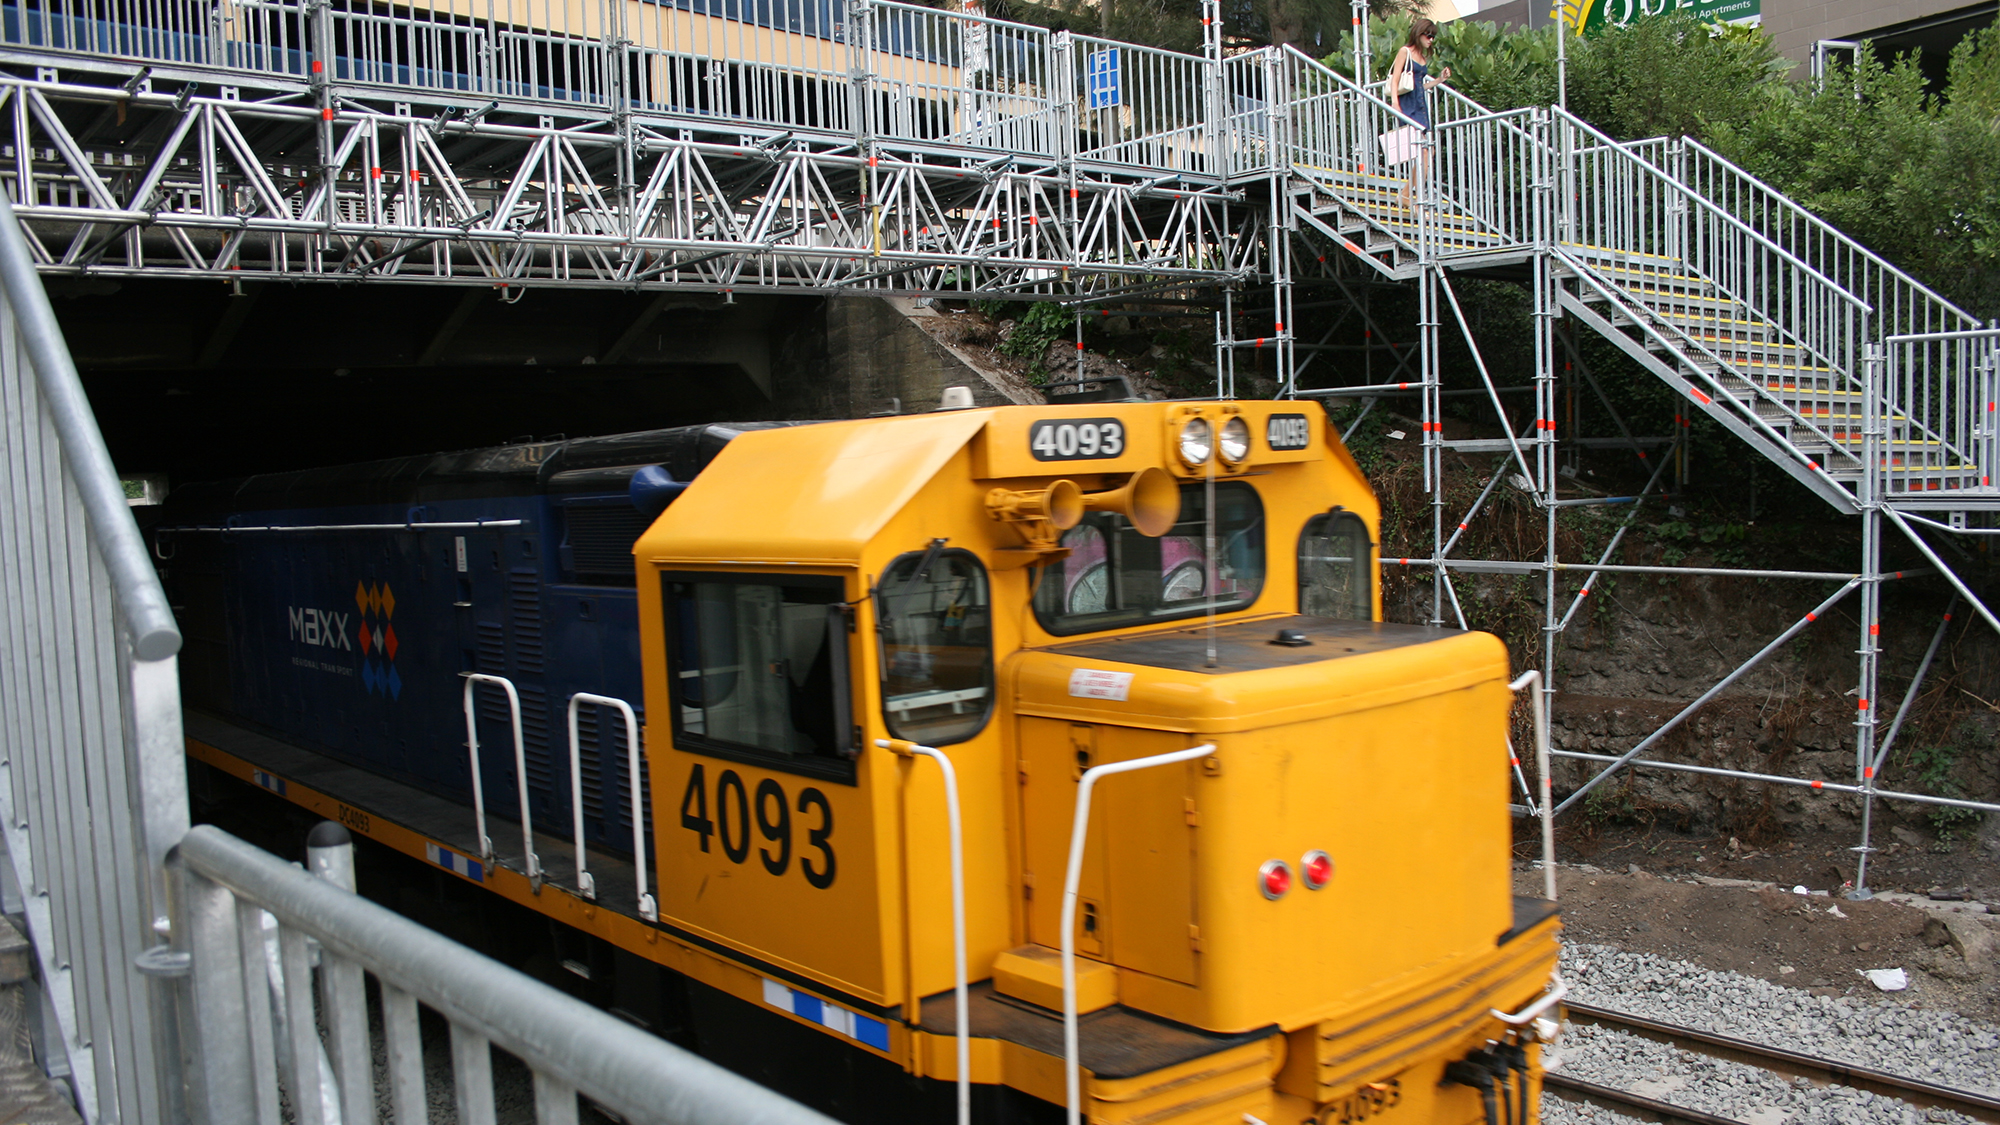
{"x": 1031, "y": 762}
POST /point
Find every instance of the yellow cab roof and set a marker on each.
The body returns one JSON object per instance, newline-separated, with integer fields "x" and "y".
{"x": 807, "y": 494}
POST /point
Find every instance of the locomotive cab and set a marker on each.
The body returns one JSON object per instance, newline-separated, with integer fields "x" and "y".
{"x": 1308, "y": 921}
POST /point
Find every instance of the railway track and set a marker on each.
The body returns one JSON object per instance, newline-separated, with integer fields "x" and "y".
{"x": 1923, "y": 1095}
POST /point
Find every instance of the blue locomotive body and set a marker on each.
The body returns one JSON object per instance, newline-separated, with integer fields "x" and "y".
{"x": 344, "y": 627}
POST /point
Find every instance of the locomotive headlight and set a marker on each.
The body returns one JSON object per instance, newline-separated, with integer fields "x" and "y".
{"x": 1316, "y": 869}
{"x": 1197, "y": 441}
{"x": 1235, "y": 440}
{"x": 1274, "y": 879}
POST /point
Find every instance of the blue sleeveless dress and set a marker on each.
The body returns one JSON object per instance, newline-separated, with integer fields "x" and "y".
{"x": 1413, "y": 104}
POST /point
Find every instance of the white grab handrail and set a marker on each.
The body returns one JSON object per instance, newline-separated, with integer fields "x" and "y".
{"x": 520, "y": 771}
{"x": 584, "y": 883}
{"x": 958, "y": 986}
{"x": 1557, "y": 989}
{"x": 1071, "y": 1080}
{"x": 1532, "y": 680}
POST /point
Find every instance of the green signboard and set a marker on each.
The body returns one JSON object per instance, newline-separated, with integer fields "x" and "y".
{"x": 1589, "y": 17}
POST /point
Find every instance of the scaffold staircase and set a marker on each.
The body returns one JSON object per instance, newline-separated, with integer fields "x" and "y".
{"x": 1343, "y": 190}
{"x": 1802, "y": 343}
{"x": 1765, "y": 319}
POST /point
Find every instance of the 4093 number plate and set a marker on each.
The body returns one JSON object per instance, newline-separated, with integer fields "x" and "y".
{"x": 1288, "y": 431}
{"x": 1076, "y": 439}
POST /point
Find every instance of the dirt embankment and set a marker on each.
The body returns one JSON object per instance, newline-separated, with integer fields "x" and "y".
{"x": 1950, "y": 951}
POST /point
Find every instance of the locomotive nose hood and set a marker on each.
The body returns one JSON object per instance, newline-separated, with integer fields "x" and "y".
{"x": 1267, "y": 673}
{"x": 1378, "y": 747}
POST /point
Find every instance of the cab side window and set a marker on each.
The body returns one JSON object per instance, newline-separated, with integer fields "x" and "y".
{"x": 757, "y": 667}
{"x": 935, "y": 618}
{"x": 1336, "y": 568}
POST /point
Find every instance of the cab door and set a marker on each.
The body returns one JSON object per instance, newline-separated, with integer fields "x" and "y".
{"x": 1136, "y": 907}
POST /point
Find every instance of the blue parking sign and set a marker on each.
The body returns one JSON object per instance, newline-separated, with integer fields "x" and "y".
{"x": 1102, "y": 88}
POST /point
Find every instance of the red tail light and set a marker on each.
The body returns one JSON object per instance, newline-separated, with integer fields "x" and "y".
{"x": 1316, "y": 869}
{"x": 1274, "y": 878}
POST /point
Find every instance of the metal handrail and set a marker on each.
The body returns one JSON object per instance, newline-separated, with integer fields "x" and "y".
{"x": 958, "y": 976}
{"x": 585, "y": 884}
{"x": 1755, "y": 270}
{"x": 1295, "y": 157}
{"x": 1939, "y": 337}
{"x": 1490, "y": 115}
{"x": 1496, "y": 210}
{"x": 1458, "y": 115}
{"x": 141, "y": 601}
{"x": 1943, "y": 381}
{"x": 1538, "y": 700}
{"x": 1711, "y": 207}
{"x": 1838, "y": 352}
{"x": 1801, "y": 214}
{"x": 472, "y": 680}
{"x": 94, "y": 793}
{"x": 1350, "y": 85}
{"x": 569, "y": 1046}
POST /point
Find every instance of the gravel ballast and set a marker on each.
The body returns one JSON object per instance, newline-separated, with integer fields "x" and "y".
{"x": 1878, "y": 1033}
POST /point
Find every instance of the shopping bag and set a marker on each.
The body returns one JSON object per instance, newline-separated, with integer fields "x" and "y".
{"x": 1399, "y": 146}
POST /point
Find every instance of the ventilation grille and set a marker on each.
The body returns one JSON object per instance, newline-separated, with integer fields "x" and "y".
{"x": 600, "y": 543}
{"x": 496, "y": 743}
{"x": 535, "y": 746}
{"x": 492, "y": 648}
{"x": 590, "y": 759}
{"x": 524, "y": 604}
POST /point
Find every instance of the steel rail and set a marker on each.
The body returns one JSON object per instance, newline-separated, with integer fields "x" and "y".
{"x": 461, "y": 282}
{"x": 1796, "y": 1064}
{"x": 1631, "y": 1105}
{"x": 1928, "y": 522}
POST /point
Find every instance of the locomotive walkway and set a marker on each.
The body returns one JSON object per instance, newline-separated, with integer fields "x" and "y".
{"x": 798, "y": 146}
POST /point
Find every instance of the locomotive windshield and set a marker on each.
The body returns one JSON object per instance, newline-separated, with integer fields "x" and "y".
{"x": 1115, "y": 576}
{"x": 755, "y": 670}
{"x": 1335, "y": 563}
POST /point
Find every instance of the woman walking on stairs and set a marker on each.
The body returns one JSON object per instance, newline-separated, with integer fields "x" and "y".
{"x": 1410, "y": 79}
